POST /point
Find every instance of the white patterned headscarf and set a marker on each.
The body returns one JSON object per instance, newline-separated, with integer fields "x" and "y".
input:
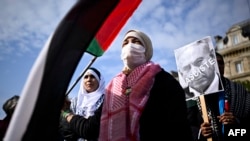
{"x": 88, "y": 102}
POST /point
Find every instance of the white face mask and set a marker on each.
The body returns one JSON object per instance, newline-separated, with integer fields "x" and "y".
{"x": 133, "y": 55}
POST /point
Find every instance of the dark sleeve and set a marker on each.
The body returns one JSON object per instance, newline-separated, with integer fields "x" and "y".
{"x": 87, "y": 128}
{"x": 194, "y": 118}
{"x": 65, "y": 132}
{"x": 165, "y": 114}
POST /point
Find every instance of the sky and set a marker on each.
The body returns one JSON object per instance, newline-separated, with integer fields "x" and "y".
{"x": 26, "y": 25}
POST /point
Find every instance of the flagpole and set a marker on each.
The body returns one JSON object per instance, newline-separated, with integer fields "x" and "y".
{"x": 79, "y": 78}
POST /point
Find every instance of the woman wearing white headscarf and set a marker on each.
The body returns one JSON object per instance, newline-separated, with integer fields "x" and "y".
{"x": 85, "y": 109}
{"x": 143, "y": 102}
{"x": 90, "y": 95}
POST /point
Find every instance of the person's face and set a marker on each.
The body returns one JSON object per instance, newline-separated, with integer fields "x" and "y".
{"x": 197, "y": 67}
{"x": 90, "y": 83}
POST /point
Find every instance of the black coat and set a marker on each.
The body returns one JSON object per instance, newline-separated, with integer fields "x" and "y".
{"x": 165, "y": 114}
{"x": 80, "y": 127}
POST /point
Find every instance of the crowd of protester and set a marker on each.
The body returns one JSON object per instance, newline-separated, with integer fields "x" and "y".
{"x": 145, "y": 102}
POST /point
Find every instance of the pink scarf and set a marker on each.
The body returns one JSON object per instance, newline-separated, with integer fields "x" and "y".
{"x": 121, "y": 112}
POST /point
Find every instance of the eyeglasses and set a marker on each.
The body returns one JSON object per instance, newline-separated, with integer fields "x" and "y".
{"x": 89, "y": 76}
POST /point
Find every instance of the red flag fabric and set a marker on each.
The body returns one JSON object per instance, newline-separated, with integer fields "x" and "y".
{"x": 112, "y": 25}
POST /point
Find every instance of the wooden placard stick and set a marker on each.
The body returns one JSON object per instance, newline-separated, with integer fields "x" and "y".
{"x": 204, "y": 112}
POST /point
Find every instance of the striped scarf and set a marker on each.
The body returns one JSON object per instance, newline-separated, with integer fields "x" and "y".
{"x": 124, "y": 102}
{"x": 240, "y": 100}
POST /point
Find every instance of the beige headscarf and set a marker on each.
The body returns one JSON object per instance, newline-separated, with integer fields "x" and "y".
{"x": 146, "y": 42}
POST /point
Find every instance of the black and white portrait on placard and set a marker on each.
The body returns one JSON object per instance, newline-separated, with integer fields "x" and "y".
{"x": 197, "y": 68}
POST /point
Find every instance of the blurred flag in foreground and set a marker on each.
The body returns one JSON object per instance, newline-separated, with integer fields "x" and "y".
{"x": 90, "y": 25}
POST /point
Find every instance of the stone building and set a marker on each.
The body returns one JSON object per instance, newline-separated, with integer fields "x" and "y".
{"x": 235, "y": 48}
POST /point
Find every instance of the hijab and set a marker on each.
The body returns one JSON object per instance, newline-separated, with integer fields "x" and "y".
{"x": 88, "y": 102}
{"x": 146, "y": 42}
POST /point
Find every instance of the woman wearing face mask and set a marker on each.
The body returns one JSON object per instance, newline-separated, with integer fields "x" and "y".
{"x": 143, "y": 102}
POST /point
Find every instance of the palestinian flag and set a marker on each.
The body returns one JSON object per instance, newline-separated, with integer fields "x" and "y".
{"x": 112, "y": 26}
{"x": 90, "y": 25}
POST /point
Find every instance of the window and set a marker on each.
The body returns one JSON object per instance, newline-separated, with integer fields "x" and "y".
{"x": 220, "y": 45}
{"x": 235, "y": 39}
{"x": 239, "y": 67}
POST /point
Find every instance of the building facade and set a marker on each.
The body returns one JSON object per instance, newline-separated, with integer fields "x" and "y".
{"x": 235, "y": 48}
